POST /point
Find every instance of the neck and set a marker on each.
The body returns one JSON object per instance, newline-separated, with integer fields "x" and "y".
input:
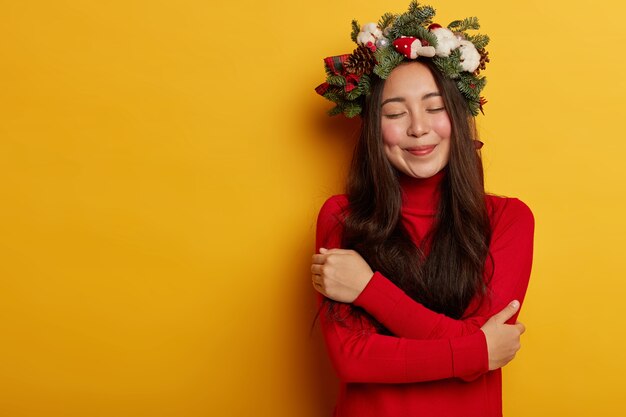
{"x": 421, "y": 194}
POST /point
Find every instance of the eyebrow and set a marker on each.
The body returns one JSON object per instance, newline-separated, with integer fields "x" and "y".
{"x": 402, "y": 99}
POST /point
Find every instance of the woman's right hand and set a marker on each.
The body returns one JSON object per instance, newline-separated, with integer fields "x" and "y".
{"x": 503, "y": 340}
{"x": 340, "y": 274}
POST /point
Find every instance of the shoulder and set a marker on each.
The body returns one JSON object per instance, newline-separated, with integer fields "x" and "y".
{"x": 509, "y": 213}
{"x": 333, "y": 207}
{"x": 508, "y": 206}
{"x": 330, "y": 221}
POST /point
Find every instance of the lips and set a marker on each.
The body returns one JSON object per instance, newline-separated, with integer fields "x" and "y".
{"x": 421, "y": 150}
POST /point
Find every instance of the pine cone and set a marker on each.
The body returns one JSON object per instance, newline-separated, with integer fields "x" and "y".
{"x": 361, "y": 61}
{"x": 484, "y": 58}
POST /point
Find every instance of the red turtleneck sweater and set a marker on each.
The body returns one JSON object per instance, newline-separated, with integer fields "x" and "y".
{"x": 433, "y": 366}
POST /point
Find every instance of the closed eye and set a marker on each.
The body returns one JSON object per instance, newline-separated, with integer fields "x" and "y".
{"x": 394, "y": 116}
{"x": 438, "y": 109}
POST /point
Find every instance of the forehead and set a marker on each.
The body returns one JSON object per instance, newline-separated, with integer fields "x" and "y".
{"x": 409, "y": 79}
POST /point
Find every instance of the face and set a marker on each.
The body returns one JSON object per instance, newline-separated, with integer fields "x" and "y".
{"x": 414, "y": 122}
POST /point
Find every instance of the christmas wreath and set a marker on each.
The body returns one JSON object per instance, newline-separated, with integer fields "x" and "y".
{"x": 382, "y": 46}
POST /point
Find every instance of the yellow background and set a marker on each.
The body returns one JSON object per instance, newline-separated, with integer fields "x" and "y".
{"x": 162, "y": 164}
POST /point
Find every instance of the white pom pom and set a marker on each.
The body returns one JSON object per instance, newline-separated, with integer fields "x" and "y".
{"x": 373, "y": 29}
{"x": 446, "y": 41}
{"x": 470, "y": 58}
{"x": 369, "y": 33}
{"x": 364, "y": 37}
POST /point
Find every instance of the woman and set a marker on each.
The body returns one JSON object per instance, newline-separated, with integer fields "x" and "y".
{"x": 422, "y": 273}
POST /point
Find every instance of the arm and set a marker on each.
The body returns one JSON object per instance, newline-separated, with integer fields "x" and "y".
{"x": 511, "y": 248}
{"x": 359, "y": 354}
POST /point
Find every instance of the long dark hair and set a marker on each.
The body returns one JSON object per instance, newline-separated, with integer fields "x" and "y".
{"x": 448, "y": 278}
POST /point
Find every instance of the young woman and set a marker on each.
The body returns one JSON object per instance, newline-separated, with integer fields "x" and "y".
{"x": 420, "y": 273}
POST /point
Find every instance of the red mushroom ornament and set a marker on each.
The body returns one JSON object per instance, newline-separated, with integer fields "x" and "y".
{"x": 412, "y": 47}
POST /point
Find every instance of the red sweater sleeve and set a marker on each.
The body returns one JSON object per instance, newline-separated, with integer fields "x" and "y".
{"x": 359, "y": 354}
{"x": 511, "y": 250}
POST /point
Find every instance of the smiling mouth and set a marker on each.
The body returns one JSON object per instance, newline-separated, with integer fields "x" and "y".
{"x": 421, "y": 150}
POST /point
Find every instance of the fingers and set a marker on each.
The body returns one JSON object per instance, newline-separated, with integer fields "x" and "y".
{"x": 317, "y": 284}
{"x": 336, "y": 250}
{"x": 317, "y": 269}
{"x": 318, "y": 259}
{"x": 520, "y": 327}
{"x": 507, "y": 312}
{"x": 321, "y": 257}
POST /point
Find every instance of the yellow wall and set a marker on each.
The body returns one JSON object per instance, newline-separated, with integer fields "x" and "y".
{"x": 162, "y": 165}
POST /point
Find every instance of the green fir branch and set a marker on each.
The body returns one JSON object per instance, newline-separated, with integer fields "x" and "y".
{"x": 479, "y": 40}
{"x": 413, "y": 7}
{"x": 421, "y": 33}
{"x": 335, "y": 110}
{"x": 414, "y": 22}
{"x": 425, "y": 14}
{"x": 473, "y": 107}
{"x": 428, "y": 36}
{"x": 329, "y": 71}
{"x": 355, "y": 30}
{"x": 352, "y": 109}
{"x": 387, "y": 59}
{"x": 465, "y": 24}
{"x": 464, "y": 88}
{"x": 468, "y": 86}
{"x": 333, "y": 95}
{"x": 480, "y": 84}
{"x": 386, "y": 20}
{"x": 337, "y": 80}
{"x": 382, "y": 54}
{"x": 450, "y": 66}
{"x": 353, "y": 94}
{"x": 364, "y": 85}
{"x": 454, "y": 24}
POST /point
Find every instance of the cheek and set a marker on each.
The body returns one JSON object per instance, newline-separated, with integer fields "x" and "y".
{"x": 392, "y": 134}
{"x": 442, "y": 126}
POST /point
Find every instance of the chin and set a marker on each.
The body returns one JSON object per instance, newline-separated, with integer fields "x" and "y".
{"x": 423, "y": 172}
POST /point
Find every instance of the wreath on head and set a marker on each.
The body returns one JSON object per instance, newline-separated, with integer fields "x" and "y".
{"x": 412, "y": 35}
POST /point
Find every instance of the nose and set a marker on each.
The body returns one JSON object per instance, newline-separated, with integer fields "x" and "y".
{"x": 418, "y": 126}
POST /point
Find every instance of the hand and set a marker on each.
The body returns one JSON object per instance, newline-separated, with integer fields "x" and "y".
{"x": 503, "y": 340}
{"x": 340, "y": 274}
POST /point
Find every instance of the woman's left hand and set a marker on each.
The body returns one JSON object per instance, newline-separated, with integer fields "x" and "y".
{"x": 340, "y": 274}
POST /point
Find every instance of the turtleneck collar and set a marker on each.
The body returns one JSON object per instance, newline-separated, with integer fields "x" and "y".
{"x": 421, "y": 195}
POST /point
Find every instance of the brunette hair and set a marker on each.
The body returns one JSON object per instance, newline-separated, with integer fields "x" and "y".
{"x": 452, "y": 273}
